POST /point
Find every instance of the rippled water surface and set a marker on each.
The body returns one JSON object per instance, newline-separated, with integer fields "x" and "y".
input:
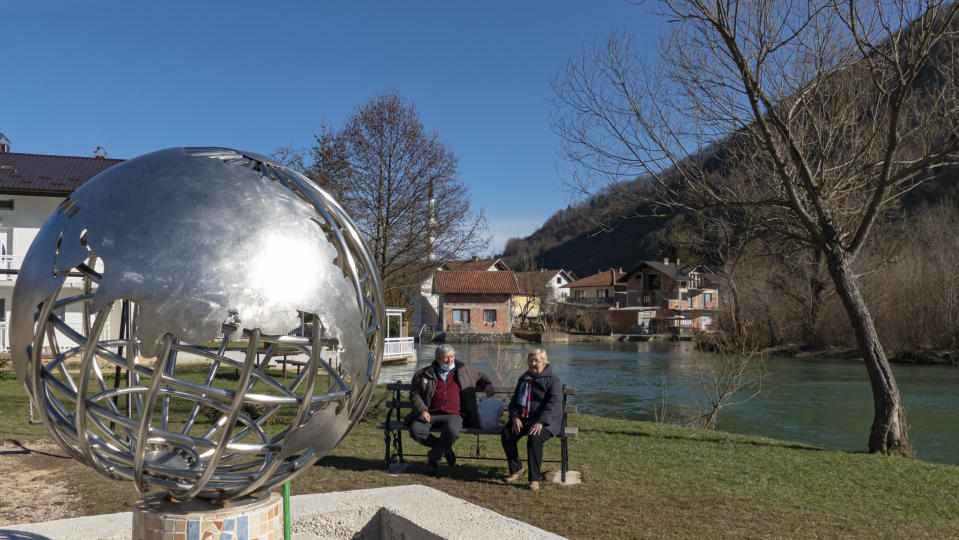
{"x": 825, "y": 402}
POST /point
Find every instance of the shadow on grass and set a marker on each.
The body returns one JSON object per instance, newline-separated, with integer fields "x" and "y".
{"x": 715, "y": 440}
{"x": 350, "y": 463}
{"x": 465, "y": 470}
{"x": 720, "y": 440}
{"x": 618, "y": 433}
{"x": 23, "y": 450}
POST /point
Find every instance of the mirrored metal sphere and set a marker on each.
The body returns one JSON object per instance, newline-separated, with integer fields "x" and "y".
{"x": 153, "y": 308}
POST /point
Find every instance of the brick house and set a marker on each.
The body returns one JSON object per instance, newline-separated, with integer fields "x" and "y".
{"x": 600, "y": 288}
{"x": 426, "y": 301}
{"x": 474, "y": 302}
{"x": 667, "y": 297}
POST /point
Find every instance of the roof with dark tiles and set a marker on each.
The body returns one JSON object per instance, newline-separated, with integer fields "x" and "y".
{"x": 46, "y": 175}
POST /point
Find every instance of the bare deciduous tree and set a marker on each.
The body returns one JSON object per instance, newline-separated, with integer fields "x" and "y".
{"x": 733, "y": 376}
{"x": 401, "y": 186}
{"x": 812, "y": 117}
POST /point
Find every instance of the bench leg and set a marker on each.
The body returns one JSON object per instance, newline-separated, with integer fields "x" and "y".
{"x": 564, "y": 458}
{"x": 386, "y": 441}
{"x": 394, "y": 448}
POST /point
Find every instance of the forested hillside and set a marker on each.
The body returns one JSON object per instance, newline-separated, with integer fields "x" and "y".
{"x": 907, "y": 265}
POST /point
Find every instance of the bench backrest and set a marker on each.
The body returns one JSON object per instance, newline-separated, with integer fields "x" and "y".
{"x": 405, "y": 387}
{"x": 399, "y": 388}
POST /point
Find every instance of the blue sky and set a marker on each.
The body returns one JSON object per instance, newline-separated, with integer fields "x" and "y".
{"x": 136, "y": 77}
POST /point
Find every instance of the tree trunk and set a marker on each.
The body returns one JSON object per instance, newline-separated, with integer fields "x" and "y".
{"x": 888, "y": 433}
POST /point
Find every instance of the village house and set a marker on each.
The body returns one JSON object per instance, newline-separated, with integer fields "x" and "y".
{"x": 475, "y": 302}
{"x": 599, "y": 289}
{"x": 31, "y": 188}
{"x": 667, "y": 298}
{"x": 426, "y": 302}
{"x": 539, "y": 290}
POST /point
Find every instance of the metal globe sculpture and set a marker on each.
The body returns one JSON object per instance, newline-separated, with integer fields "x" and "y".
{"x": 136, "y": 289}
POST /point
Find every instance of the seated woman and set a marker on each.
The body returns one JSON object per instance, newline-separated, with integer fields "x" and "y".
{"x": 536, "y": 410}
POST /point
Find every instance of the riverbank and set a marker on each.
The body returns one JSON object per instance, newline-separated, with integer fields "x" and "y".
{"x": 640, "y": 479}
{"x": 918, "y": 356}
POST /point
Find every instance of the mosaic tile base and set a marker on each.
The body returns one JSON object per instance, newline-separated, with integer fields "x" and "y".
{"x": 157, "y": 518}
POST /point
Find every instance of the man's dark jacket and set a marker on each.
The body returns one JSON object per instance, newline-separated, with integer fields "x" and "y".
{"x": 424, "y": 384}
{"x": 545, "y": 403}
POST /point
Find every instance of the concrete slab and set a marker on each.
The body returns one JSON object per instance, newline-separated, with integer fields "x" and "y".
{"x": 393, "y": 512}
{"x": 572, "y": 478}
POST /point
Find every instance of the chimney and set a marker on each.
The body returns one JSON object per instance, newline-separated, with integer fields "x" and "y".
{"x": 665, "y": 260}
{"x": 4, "y": 144}
{"x": 100, "y": 153}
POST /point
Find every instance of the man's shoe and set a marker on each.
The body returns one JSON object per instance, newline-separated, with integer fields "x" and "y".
{"x": 450, "y": 457}
{"x": 534, "y": 486}
{"x": 432, "y": 467}
{"x": 514, "y": 477}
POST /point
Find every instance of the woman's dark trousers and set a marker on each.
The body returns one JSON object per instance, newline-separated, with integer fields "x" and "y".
{"x": 534, "y": 448}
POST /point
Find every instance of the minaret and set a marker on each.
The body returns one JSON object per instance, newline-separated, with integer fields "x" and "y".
{"x": 431, "y": 224}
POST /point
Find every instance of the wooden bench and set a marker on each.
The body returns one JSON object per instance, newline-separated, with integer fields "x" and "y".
{"x": 399, "y": 406}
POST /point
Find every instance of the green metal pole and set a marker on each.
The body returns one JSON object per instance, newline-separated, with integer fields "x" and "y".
{"x": 286, "y": 511}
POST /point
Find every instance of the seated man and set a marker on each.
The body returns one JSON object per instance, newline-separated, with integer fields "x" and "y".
{"x": 443, "y": 397}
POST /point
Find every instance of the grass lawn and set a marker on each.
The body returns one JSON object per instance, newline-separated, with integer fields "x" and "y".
{"x": 639, "y": 480}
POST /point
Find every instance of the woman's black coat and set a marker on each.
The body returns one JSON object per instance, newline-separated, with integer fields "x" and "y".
{"x": 545, "y": 403}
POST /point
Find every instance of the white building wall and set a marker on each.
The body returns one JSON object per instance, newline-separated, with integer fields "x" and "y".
{"x": 18, "y": 227}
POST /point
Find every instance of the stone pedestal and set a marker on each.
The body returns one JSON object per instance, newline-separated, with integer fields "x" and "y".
{"x": 250, "y": 518}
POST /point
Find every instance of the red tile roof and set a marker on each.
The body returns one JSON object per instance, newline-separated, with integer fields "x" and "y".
{"x": 606, "y": 277}
{"x": 471, "y": 265}
{"x": 55, "y": 176}
{"x": 476, "y": 282}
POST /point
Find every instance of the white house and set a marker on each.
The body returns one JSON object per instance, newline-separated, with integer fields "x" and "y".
{"x": 31, "y": 188}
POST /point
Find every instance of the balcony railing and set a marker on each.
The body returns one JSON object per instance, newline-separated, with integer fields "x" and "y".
{"x": 14, "y": 262}
{"x": 9, "y": 262}
{"x": 62, "y": 340}
{"x": 590, "y": 300}
{"x": 397, "y": 346}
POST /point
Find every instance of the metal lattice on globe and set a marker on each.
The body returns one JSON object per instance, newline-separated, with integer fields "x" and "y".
{"x": 136, "y": 291}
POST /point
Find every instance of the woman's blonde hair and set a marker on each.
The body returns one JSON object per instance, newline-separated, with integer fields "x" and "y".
{"x": 541, "y": 354}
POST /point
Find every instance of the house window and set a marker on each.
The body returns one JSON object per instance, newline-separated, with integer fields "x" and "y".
{"x": 686, "y": 322}
{"x": 489, "y": 316}
{"x": 6, "y": 204}
{"x": 602, "y": 293}
{"x": 684, "y": 298}
{"x": 559, "y": 281}
{"x": 645, "y": 299}
{"x": 578, "y": 293}
{"x": 707, "y": 298}
{"x": 461, "y": 316}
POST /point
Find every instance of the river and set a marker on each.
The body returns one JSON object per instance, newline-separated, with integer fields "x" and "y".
{"x": 823, "y": 402}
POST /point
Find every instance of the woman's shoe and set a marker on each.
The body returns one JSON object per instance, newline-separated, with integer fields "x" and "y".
{"x": 514, "y": 477}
